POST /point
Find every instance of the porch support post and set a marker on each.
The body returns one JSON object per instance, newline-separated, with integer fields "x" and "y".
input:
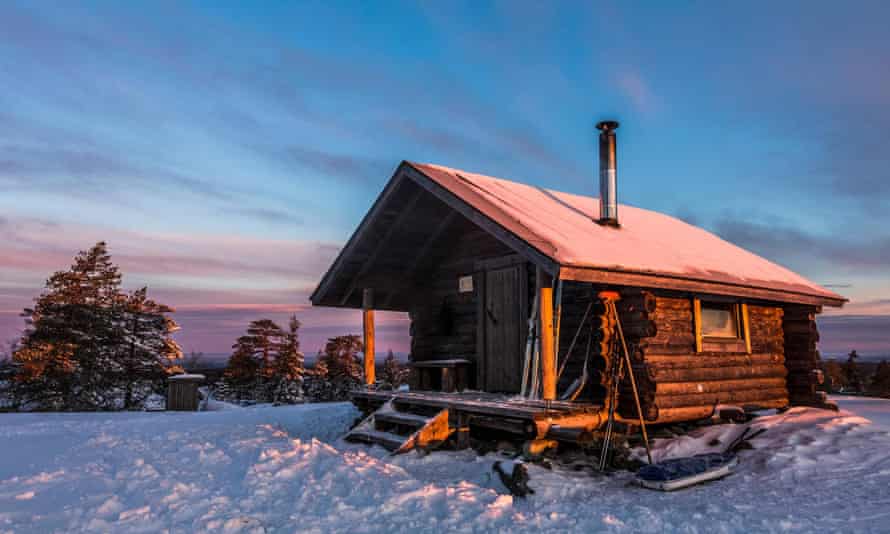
{"x": 548, "y": 351}
{"x": 368, "y": 327}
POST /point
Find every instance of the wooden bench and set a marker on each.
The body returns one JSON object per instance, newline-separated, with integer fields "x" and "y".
{"x": 444, "y": 375}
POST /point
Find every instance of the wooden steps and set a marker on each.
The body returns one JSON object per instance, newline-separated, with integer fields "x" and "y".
{"x": 387, "y": 440}
{"x": 486, "y": 413}
{"x": 402, "y": 419}
{"x": 399, "y": 430}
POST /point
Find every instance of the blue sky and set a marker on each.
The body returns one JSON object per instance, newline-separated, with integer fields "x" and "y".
{"x": 226, "y": 150}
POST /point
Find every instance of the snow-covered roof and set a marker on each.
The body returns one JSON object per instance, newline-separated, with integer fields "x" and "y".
{"x": 562, "y": 226}
{"x": 187, "y": 377}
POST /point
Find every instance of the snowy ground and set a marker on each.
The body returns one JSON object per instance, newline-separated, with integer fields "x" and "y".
{"x": 267, "y": 469}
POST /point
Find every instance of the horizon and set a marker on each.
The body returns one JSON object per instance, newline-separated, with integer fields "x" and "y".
{"x": 226, "y": 160}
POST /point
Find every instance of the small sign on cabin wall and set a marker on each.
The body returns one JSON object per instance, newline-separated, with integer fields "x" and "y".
{"x": 465, "y": 284}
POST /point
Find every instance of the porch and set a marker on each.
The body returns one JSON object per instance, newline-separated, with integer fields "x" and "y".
{"x": 479, "y": 413}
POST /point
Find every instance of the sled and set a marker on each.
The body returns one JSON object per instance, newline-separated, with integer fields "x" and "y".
{"x": 680, "y": 473}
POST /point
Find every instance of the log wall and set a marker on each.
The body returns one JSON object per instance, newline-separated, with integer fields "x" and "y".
{"x": 675, "y": 382}
{"x": 678, "y": 383}
{"x": 802, "y": 358}
{"x": 443, "y": 320}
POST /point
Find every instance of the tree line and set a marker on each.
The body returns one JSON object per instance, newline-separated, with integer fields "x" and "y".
{"x": 90, "y": 345}
{"x": 851, "y": 376}
{"x": 267, "y": 366}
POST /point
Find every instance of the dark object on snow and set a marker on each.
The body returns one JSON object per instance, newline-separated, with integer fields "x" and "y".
{"x": 515, "y": 481}
{"x": 681, "y": 473}
{"x": 182, "y": 392}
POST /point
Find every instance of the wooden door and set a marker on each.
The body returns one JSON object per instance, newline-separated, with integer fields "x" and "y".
{"x": 503, "y": 329}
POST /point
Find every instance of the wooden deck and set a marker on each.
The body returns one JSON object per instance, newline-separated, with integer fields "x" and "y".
{"x": 528, "y": 419}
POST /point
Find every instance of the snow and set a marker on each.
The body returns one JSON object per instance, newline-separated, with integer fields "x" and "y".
{"x": 876, "y": 410}
{"x": 563, "y": 226}
{"x": 284, "y": 469}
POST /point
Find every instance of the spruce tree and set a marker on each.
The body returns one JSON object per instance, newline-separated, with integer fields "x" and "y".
{"x": 70, "y": 338}
{"x": 147, "y": 350}
{"x": 266, "y": 363}
{"x": 317, "y": 385}
{"x": 263, "y": 340}
{"x": 342, "y": 368}
{"x": 289, "y": 366}
{"x": 852, "y": 374}
{"x": 341, "y": 358}
{"x": 835, "y": 379}
{"x": 86, "y": 341}
{"x": 880, "y": 383}
{"x": 393, "y": 372}
{"x": 241, "y": 373}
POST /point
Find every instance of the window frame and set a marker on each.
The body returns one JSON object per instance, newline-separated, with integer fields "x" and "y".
{"x": 739, "y": 344}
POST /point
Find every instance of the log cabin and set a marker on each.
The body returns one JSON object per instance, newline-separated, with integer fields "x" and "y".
{"x": 509, "y": 289}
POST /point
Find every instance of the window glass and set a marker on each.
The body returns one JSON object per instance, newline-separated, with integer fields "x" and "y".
{"x": 719, "y": 320}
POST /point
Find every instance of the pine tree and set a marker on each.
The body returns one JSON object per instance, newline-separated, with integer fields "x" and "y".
{"x": 317, "y": 386}
{"x": 69, "y": 342}
{"x": 266, "y": 363}
{"x": 394, "y": 373}
{"x": 320, "y": 368}
{"x": 341, "y": 358}
{"x": 193, "y": 361}
{"x": 852, "y": 375}
{"x": 289, "y": 366}
{"x": 241, "y": 373}
{"x": 148, "y": 349}
{"x": 341, "y": 368}
{"x": 264, "y": 339}
{"x": 834, "y": 376}
{"x": 880, "y": 383}
{"x": 86, "y": 340}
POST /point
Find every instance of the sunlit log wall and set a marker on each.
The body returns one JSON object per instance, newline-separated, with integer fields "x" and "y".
{"x": 675, "y": 382}
{"x": 801, "y": 356}
{"x": 678, "y": 383}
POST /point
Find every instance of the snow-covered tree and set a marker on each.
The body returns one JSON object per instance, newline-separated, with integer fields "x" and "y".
{"x": 263, "y": 340}
{"x": 337, "y": 370}
{"x": 394, "y": 373}
{"x": 241, "y": 374}
{"x": 69, "y": 342}
{"x": 266, "y": 363}
{"x": 147, "y": 350}
{"x": 342, "y": 360}
{"x": 83, "y": 343}
{"x": 289, "y": 366}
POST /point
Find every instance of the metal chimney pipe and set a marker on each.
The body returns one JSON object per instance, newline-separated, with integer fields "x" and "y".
{"x": 608, "y": 174}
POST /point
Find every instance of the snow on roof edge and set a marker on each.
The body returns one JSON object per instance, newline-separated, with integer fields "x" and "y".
{"x": 648, "y": 243}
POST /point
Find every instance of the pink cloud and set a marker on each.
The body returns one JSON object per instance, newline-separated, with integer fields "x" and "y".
{"x": 216, "y": 283}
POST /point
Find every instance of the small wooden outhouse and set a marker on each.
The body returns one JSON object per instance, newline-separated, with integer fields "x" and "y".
{"x": 182, "y": 392}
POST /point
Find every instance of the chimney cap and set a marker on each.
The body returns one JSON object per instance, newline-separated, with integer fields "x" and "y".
{"x": 607, "y": 126}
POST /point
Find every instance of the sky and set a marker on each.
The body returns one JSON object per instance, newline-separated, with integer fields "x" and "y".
{"x": 226, "y": 150}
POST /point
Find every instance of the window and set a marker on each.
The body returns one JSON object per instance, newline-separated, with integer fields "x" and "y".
{"x": 719, "y": 320}
{"x": 721, "y": 327}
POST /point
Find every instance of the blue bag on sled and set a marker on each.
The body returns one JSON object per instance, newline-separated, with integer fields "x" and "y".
{"x": 680, "y": 473}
